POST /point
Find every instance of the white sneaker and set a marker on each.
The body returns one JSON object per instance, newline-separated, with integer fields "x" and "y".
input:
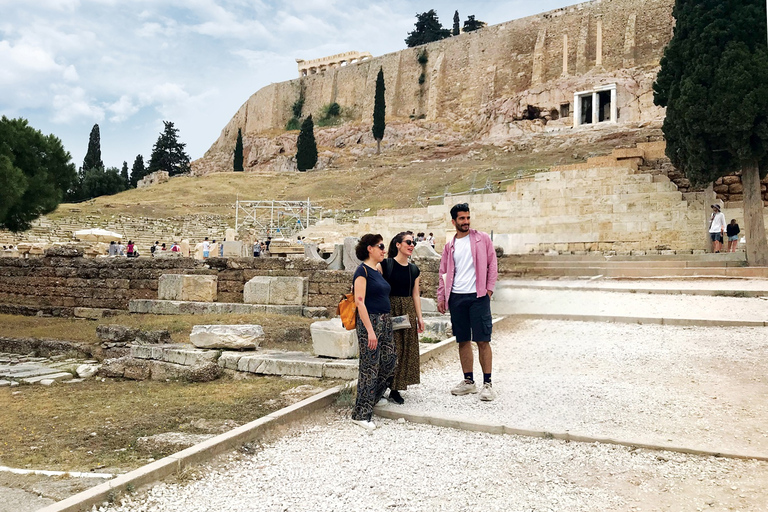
{"x": 382, "y": 401}
{"x": 464, "y": 387}
{"x": 367, "y": 425}
{"x": 487, "y": 393}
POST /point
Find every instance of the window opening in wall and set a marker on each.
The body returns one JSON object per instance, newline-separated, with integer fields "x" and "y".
{"x": 586, "y": 109}
{"x": 604, "y": 109}
{"x": 565, "y": 110}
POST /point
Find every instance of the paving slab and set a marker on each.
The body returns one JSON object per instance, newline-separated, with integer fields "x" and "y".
{"x": 687, "y": 386}
{"x": 715, "y": 287}
{"x": 50, "y": 377}
{"x": 22, "y": 371}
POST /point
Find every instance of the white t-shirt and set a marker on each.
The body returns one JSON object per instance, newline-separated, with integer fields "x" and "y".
{"x": 464, "y": 267}
{"x": 206, "y": 246}
{"x": 718, "y": 223}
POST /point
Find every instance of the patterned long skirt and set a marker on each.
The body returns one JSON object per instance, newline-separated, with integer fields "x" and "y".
{"x": 408, "y": 370}
{"x": 375, "y": 367}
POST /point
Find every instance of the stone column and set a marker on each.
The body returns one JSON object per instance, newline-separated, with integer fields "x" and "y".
{"x": 595, "y": 107}
{"x": 614, "y": 106}
{"x": 599, "y": 49}
{"x": 565, "y": 55}
{"x": 576, "y": 111}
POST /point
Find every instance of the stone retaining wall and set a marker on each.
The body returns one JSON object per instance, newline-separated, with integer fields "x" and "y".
{"x": 57, "y": 285}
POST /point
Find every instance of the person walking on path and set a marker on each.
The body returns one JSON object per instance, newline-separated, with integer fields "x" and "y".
{"x": 206, "y": 248}
{"x": 732, "y": 230}
{"x": 405, "y": 299}
{"x": 467, "y": 278}
{"x": 716, "y": 228}
{"x": 374, "y": 329}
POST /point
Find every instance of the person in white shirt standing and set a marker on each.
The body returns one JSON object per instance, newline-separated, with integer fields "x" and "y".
{"x": 467, "y": 278}
{"x": 716, "y": 228}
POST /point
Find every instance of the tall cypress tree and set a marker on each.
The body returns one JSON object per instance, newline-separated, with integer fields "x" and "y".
{"x": 138, "y": 170}
{"x": 456, "y": 28}
{"x": 124, "y": 176}
{"x": 306, "y": 147}
{"x": 379, "y": 111}
{"x": 428, "y": 29}
{"x": 714, "y": 84}
{"x": 92, "y": 158}
{"x": 168, "y": 153}
{"x": 238, "y": 164}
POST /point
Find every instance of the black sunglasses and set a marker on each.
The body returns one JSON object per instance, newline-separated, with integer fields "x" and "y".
{"x": 380, "y": 246}
{"x": 409, "y": 242}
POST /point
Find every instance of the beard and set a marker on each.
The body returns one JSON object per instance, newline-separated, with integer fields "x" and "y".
{"x": 462, "y": 227}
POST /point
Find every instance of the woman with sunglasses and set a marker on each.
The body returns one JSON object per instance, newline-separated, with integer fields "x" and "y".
{"x": 374, "y": 329}
{"x": 405, "y": 299}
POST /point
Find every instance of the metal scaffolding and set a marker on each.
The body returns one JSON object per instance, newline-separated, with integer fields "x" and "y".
{"x": 275, "y": 218}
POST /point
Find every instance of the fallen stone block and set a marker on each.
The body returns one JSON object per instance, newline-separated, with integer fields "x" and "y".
{"x": 178, "y": 354}
{"x": 229, "y": 360}
{"x": 237, "y": 337}
{"x": 428, "y": 305}
{"x": 87, "y": 370}
{"x": 346, "y": 370}
{"x": 120, "y": 334}
{"x": 424, "y": 250}
{"x": 52, "y": 377}
{"x": 331, "y": 339}
{"x": 196, "y": 288}
{"x": 276, "y": 290}
{"x": 94, "y": 313}
{"x": 297, "y": 364}
{"x": 336, "y": 260}
{"x": 437, "y": 328}
{"x": 204, "y": 372}
{"x": 175, "y": 307}
{"x": 350, "y": 260}
{"x": 4, "y": 383}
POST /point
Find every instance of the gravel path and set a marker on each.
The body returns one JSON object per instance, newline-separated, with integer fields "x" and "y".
{"x": 510, "y": 300}
{"x": 717, "y": 284}
{"x": 332, "y": 465}
{"x": 687, "y": 386}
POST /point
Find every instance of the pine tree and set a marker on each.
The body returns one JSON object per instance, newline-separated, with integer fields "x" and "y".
{"x": 138, "y": 171}
{"x": 124, "y": 176}
{"x": 472, "y": 24}
{"x": 379, "y": 111}
{"x": 428, "y": 29}
{"x": 35, "y": 172}
{"x": 456, "y": 29}
{"x": 714, "y": 84}
{"x": 93, "y": 155}
{"x": 238, "y": 164}
{"x": 306, "y": 147}
{"x": 168, "y": 153}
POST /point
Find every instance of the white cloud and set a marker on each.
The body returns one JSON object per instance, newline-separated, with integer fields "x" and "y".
{"x": 122, "y": 109}
{"x": 71, "y": 104}
{"x": 19, "y": 61}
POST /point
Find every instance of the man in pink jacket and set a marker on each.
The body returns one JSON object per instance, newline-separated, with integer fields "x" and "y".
{"x": 468, "y": 271}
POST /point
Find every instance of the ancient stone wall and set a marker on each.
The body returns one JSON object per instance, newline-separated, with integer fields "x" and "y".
{"x": 56, "y": 285}
{"x": 542, "y": 59}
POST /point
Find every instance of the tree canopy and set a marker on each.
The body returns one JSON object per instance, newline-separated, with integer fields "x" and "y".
{"x": 428, "y": 29}
{"x": 472, "y": 24}
{"x": 379, "y": 110}
{"x": 714, "y": 84}
{"x": 138, "y": 171}
{"x": 93, "y": 155}
{"x": 306, "y": 147}
{"x": 102, "y": 182}
{"x": 456, "y": 27}
{"x": 35, "y": 173}
{"x": 168, "y": 153}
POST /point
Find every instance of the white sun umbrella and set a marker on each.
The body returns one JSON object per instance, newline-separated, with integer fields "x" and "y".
{"x": 97, "y": 235}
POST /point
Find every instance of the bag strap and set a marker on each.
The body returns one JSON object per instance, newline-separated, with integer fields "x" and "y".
{"x": 387, "y": 266}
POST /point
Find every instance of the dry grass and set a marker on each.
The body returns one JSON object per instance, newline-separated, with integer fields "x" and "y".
{"x": 388, "y": 181}
{"x": 52, "y": 427}
{"x": 282, "y": 331}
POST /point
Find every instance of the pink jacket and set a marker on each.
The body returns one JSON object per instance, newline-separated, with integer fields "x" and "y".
{"x": 486, "y": 267}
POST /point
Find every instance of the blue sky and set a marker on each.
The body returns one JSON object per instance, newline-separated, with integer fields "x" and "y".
{"x": 129, "y": 65}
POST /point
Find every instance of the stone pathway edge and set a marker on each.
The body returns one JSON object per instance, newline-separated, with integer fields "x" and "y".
{"x": 498, "y": 428}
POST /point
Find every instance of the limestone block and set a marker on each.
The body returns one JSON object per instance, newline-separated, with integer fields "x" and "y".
{"x": 230, "y": 234}
{"x": 310, "y": 252}
{"x": 196, "y": 288}
{"x": 336, "y": 260}
{"x": 331, "y": 339}
{"x": 229, "y": 360}
{"x": 279, "y": 291}
{"x": 87, "y": 370}
{"x": 350, "y": 260}
{"x": 233, "y": 249}
{"x": 236, "y": 337}
{"x": 425, "y": 251}
{"x": 184, "y": 247}
{"x": 428, "y": 305}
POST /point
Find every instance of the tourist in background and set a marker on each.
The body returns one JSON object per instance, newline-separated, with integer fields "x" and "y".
{"x": 732, "y": 230}
{"x": 431, "y": 240}
{"x": 405, "y": 299}
{"x": 175, "y": 248}
{"x": 154, "y": 247}
{"x": 130, "y": 249}
{"x": 206, "y": 248}
{"x": 162, "y": 247}
{"x": 120, "y": 249}
{"x": 716, "y": 227}
{"x": 112, "y": 251}
{"x": 467, "y": 278}
{"x": 374, "y": 329}
{"x": 256, "y": 249}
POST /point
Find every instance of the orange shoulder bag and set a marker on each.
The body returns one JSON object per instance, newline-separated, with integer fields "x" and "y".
{"x": 347, "y": 308}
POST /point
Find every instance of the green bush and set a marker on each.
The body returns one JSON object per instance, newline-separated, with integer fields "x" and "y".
{"x": 298, "y": 106}
{"x": 422, "y": 78}
{"x": 423, "y": 57}
{"x": 293, "y": 124}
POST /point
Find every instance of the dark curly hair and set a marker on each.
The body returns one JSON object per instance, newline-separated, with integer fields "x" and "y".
{"x": 366, "y": 241}
{"x": 461, "y": 207}
{"x": 397, "y": 239}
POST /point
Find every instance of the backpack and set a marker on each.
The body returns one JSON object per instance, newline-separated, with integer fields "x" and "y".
{"x": 347, "y": 308}
{"x": 387, "y": 264}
